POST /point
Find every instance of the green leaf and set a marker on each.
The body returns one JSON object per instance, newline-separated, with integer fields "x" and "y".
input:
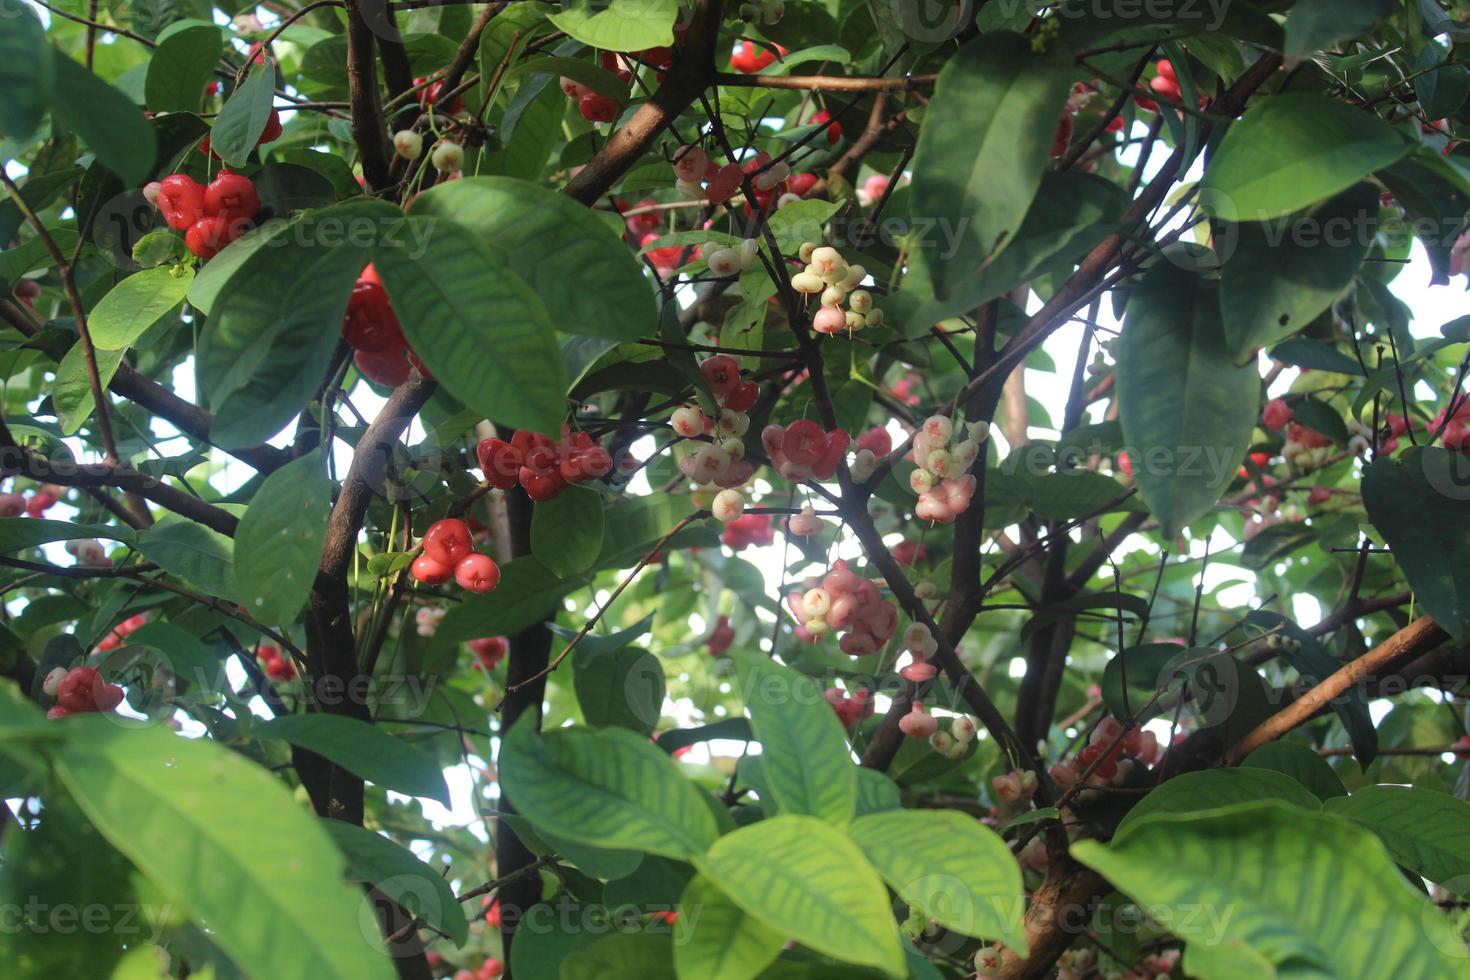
{"x": 1300, "y": 763}
{"x": 1290, "y": 151}
{"x": 279, "y": 542}
{"x": 606, "y": 787}
{"x": 191, "y": 551}
{"x": 189, "y": 814}
{"x": 1187, "y": 410}
{"x": 544, "y": 237}
{"x": 732, "y": 728}
{"x": 804, "y": 878}
{"x": 106, "y": 120}
{"x": 950, "y": 867}
{"x": 1443, "y": 86}
{"x": 278, "y": 318}
{"x": 622, "y": 956}
{"x": 71, "y": 392}
{"x": 723, "y": 942}
{"x": 1315, "y": 25}
{"x": 804, "y": 752}
{"x": 566, "y": 531}
{"x": 135, "y": 304}
{"x": 1291, "y": 895}
{"x": 19, "y": 533}
{"x": 181, "y": 66}
{"x": 1282, "y": 274}
{"x": 362, "y": 749}
{"x": 796, "y": 223}
{"x": 981, "y": 153}
{"x": 27, "y": 74}
{"x": 395, "y": 872}
{"x": 876, "y": 792}
{"x": 1425, "y": 831}
{"x": 623, "y": 687}
{"x": 244, "y": 116}
{"x": 1212, "y": 789}
{"x": 1416, "y": 500}
{"x": 619, "y": 25}
{"x": 528, "y": 590}
{"x": 501, "y": 357}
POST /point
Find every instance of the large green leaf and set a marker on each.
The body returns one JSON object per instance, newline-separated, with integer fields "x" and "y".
{"x": 71, "y": 393}
{"x": 395, "y": 872}
{"x": 192, "y": 552}
{"x": 106, "y": 120}
{"x": 1282, "y": 274}
{"x": 276, "y": 321}
{"x": 723, "y": 942}
{"x": 984, "y": 145}
{"x": 181, "y": 66}
{"x": 607, "y": 787}
{"x": 808, "y": 766}
{"x": 1302, "y": 764}
{"x": 27, "y": 73}
{"x": 623, "y": 687}
{"x": 244, "y": 116}
{"x": 189, "y": 814}
{"x": 619, "y": 25}
{"x": 1295, "y": 890}
{"x": 1212, "y": 789}
{"x": 279, "y": 542}
{"x": 575, "y": 263}
{"x": 1290, "y": 151}
{"x": 566, "y": 531}
{"x": 482, "y": 332}
{"x": 804, "y": 878}
{"x": 1417, "y": 501}
{"x": 1187, "y": 410}
{"x": 362, "y": 749}
{"x": 1316, "y": 24}
{"x": 1441, "y": 86}
{"x": 622, "y": 956}
{"x": 950, "y": 867}
{"x": 1425, "y": 831}
{"x": 135, "y": 304}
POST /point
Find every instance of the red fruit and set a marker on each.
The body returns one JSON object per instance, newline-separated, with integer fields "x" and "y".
{"x": 586, "y": 464}
{"x": 750, "y": 57}
{"x": 132, "y": 624}
{"x": 272, "y": 131}
{"x": 387, "y": 367}
{"x": 448, "y": 541}
{"x": 430, "y": 96}
{"x": 57, "y": 711}
{"x": 597, "y": 108}
{"x": 429, "y": 571}
{"x": 490, "y": 969}
{"x": 1062, "y": 138}
{"x": 477, "y": 573}
{"x": 876, "y": 441}
{"x": 1310, "y": 438}
{"x": 207, "y": 236}
{"x": 80, "y": 690}
{"x": 821, "y": 116}
{"x": 370, "y": 323}
{"x": 109, "y": 697}
{"x": 1125, "y": 463}
{"x": 542, "y": 486}
{"x": 1456, "y": 436}
{"x": 492, "y": 914}
{"x": 1276, "y": 414}
{"x": 1319, "y": 495}
{"x": 500, "y": 461}
{"x": 231, "y": 196}
{"x": 804, "y": 442}
{"x": 643, "y": 224}
{"x": 722, "y": 372}
{"x": 180, "y": 201}
{"x": 40, "y": 503}
{"x": 280, "y": 670}
{"x": 801, "y": 184}
{"x": 1145, "y": 103}
{"x": 743, "y": 396}
{"x": 1166, "y": 87}
{"x": 1165, "y": 68}
{"x": 490, "y": 649}
{"x": 1114, "y": 125}
{"x": 723, "y": 182}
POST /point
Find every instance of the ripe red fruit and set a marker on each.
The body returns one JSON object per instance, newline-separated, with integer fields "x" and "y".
{"x": 1276, "y": 414}
{"x": 822, "y": 116}
{"x": 490, "y": 649}
{"x": 387, "y": 367}
{"x": 500, "y": 461}
{"x": 39, "y": 503}
{"x": 801, "y": 184}
{"x": 80, "y": 690}
{"x": 1062, "y": 138}
{"x": 1114, "y": 125}
{"x": 492, "y": 914}
{"x": 722, "y": 372}
{"x": 232, "y": 196}
{"x": 207, "y": 236}
{"x": 743, "y": 396}
{"x": 749, "y": 57}
{"x": 431, "y": 94}
{"x": 1319, "y": 495}
{"x": 180, "y": 201}
{"x": 370, "y": 323}
{"x": 597, "y": 108}
{"x": 448, "y": 541}
{"x": 429, "y": 571}
{"x": 477, "y": 573}
{"x": 1310, "y": 438}
{"x": 542, "y": 486}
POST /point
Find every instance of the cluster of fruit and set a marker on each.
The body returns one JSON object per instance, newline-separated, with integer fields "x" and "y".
{"x": 803, "y": 451}
{"x": 36, "y": 505}
{"x": 598, "y": 108}
{"x": 447, "y": 155}
{"x": 79, "y": 690}
{"x": 725, "y": 261}
{"x": 919, "y": 641}
{"x": 850, "y": 709}
{"x": 828, "y": 276}
{"x": 1115, "y": 757}
{"x": 872, "y": 446}
{"x": 89, "y": 553}
{"x": 844, "y": 601}
{"x": 721, "y": 461}
{"x": 542, "y": 467}
{"x": 488, "y": 970}
{"x": 489, "y": 650}
{"x": 750, "y": 57}
{"x": 120, "y": 632}
{"x": 1014, "y": 786}
{"x": 941, "y": 475}
{"x": 955, "y": 743}
{"x": 372, "y": 330}
{"x": 276, "y": 666}
{"x": 210, "y": 217}
{"x": 747, "y": 530}
{"x": 1164, "y": 83}
{"x": 448, "y": 551}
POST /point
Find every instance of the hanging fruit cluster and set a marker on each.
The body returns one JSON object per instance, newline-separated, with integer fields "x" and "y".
{"x": 210, "y": 217}
{"x": 447, "y": 551}
{"x": 542, "y": 467}
{"x": 372, "y": 330}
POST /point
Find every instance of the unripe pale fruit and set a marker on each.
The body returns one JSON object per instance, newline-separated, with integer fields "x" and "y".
{"x": 448, "y": 157}
{"x": 925, "y": 590}
{"x": 962, "y": 728}
{"x": 690, "y": 163}
{"x": 53, "y": 681}
{"x": 477, "y": 573}
{"x": 724, "y": 262}
{"x": 688, "y": 421}
{"x": 733, "y": 423}
{"x": 807, "y": 282}
{"x": 833, "y": 296}
{"x": 942, "y": 742}
{"x": 827, "y": 259}
{"x": 863, "y": 464}
{"x": 807, "y": 250}
{"x": 938, "y": 428}
{"x": 816, "y": 602}
{"x": 921, "y": 481}
{"x": 150, "y": 192}
{"x": 855, "y": 275}
{"x": 937, "y": 462}
{"x": 918, "y": 723}
{"x": 749, "y": 250}
{"x": 728, "y": 505}
{"x": 861, "y": 301}
{"x": 408, "y": 144}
